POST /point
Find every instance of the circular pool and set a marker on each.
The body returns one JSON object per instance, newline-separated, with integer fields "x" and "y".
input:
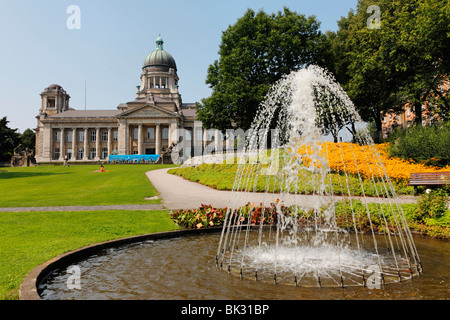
{"x": 185, "y": 268}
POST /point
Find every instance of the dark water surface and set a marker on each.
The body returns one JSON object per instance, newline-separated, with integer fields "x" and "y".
{"x": 184, "y": 268}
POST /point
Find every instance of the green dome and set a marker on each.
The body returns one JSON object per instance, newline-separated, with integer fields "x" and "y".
{"x": 159, "y": 57}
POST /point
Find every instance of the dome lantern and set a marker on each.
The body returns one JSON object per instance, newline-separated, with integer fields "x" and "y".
{"x": 159, "y": 57}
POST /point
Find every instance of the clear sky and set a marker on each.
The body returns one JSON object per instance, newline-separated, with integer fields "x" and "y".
{"x": 107, "y": 52}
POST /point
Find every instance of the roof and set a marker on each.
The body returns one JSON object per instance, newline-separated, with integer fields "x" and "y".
{"x": 189, "y": 110}
{"x": 87, "y": 114}
{"x": 159, "y": 57}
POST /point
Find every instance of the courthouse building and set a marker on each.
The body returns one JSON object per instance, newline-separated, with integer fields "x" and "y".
{"x": 140, "y": 127}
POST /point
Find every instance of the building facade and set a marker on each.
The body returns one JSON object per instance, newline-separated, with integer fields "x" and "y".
{"x": 140, "y": 127}
{"x": 406, "y": 117}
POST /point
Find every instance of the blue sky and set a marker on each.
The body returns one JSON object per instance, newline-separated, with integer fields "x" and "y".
{"x": 37, "y": 48}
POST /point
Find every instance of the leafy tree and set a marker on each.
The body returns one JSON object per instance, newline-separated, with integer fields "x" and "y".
{"x": 28, "y": 139}
{"x": 403, "y": 61}
{"x": 421, "y": 53}
{"x": 8, "y": 140}
{"x": 255, "y": 53}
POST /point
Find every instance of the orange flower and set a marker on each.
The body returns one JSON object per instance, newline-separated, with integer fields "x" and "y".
{"x": 369, "y": 161}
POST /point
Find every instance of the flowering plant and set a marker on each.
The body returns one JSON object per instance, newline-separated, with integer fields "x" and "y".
{"x": 368, "y": 161}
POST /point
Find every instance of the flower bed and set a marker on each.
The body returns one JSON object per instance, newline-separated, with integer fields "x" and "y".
{"x": 353, "y": 158}
{"x": 207, "y": 216}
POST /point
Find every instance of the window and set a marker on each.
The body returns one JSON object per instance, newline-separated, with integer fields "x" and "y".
{"x": 152, "y": 85}
{"x": 56, "y": 154}
{"x": 92, "y": 153}
{"x": 104, "y": 153}
{"x": 135, "y": 152}
{"x": 50, "y": 103}
{"x": 135, "y": 133}
{"x": 151, "y": 133}
{"x": 165, "y": 133}
{"x": 69, "y": 153}
{"x": 57, "y": 136}
{"x": 104, "y": 135}
{"x": 69, "y": 136}
{"x": 80, "y": 153}
{"x": 163, "y": 82}
{"x": 81, "y": 136}
{"x": 157, "y": 82}
{"x": 93, "y": 135}
{"x": 116, "y": 135}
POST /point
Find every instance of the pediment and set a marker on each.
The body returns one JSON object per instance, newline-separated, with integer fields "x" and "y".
{"x": 148, "y": 111}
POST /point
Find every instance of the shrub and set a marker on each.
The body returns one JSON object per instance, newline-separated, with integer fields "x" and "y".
{"x": 429, "y": 145}
{"x": 432, "y": 205}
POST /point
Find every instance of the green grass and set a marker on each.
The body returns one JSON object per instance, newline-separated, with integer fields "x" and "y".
{"x": 76, "y": 185}
{"x": 222, "y": 176}
{"x": 29, "y": 239}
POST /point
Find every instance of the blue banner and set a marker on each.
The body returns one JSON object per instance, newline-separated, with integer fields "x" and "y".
{"x": 134, "y": 158}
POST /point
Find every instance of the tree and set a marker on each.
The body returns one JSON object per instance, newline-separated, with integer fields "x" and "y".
{"x": 8, "y": 140}
{"x": 421, "y": 53}
{"x": 402, "y": 62}
{"x": 255, "y": 53}
{"x": 28, "y": 139}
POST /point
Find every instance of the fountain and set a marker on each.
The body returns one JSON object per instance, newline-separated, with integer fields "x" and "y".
{"x": 328, "y": 242}
{"x": 336, "y": 236}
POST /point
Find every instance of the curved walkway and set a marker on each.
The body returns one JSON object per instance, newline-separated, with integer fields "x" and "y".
{"x": 86, "y": 208}
{"x": 179, "y": 193}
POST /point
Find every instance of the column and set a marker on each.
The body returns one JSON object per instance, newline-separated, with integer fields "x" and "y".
{"x": 121, "y": 135}
{"x": 74, "y": 144}
{"x": 85, "y": 145}
{"x": 97, "y": 144}
{"x": 47, "y": 143}
{"x": 110, "y": 138}
{"x": 61, "y": 145}
{"x": 196, "y": 134}
{"x": 158, "y": 139}
{"x": 140, "y": 144}
{"x": 127, "y": 138}
{"x": 173, "y": 134}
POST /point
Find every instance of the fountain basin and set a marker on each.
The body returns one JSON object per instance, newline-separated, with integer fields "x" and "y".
{"x": 180, "y": 265}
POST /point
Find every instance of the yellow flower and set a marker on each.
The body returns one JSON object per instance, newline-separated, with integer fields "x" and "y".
{"x": 369, "y": 161}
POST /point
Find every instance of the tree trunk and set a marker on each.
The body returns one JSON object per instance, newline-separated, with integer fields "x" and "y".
{"x": 379, "y": 126}
{"x": 418, "y": 112}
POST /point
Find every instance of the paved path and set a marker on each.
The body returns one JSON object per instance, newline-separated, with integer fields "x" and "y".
{"x": 86, "y": 208}
{"x": 179, "y": 193}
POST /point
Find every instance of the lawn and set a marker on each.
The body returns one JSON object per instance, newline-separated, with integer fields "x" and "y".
{"x": 222, "y": 176}
{"x": 76, "y": 185}
{"x": 29, "y": 239}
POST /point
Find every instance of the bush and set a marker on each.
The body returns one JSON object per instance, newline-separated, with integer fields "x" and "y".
{"x": 207, "y": 216}
{"x": 432, "y": 205}
{"x": 429, "y": 145}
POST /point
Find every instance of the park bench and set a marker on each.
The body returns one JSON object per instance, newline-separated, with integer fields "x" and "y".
{"x": 428, "y": 179}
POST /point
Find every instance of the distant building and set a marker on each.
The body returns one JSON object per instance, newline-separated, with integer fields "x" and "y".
{"x": 142, "y": 126}
{"x": 392, "y": 120}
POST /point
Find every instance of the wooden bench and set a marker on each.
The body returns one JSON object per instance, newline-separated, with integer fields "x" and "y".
{"x": 428, "y": 179}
